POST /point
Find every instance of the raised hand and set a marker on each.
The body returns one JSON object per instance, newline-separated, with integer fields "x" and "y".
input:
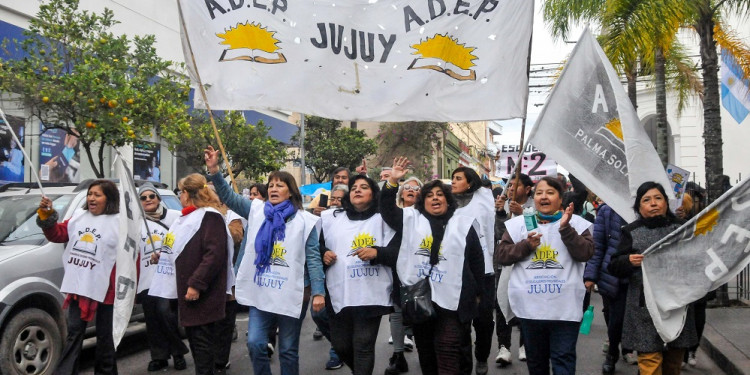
{"x": 565, "y": 221}
{"x": 211, "y": 157}
{"x": 362, "y": 169}
{"x": 400, "y": 167}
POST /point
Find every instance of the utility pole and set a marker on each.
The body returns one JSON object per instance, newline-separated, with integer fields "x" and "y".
{"x": 302, "y": 146}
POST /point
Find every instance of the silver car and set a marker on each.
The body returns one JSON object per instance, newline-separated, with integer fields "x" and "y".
{"x": 32, "y": 322}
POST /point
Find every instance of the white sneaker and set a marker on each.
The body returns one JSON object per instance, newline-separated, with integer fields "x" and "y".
{"x": 631, "y": 358}
{"x": 390, "y": 340}
{"x": 691, "y": 359}
{"x": 408, "y": 344}
{"x": 504, "y": 357}
{"x": 522, "y": 354}
{"x": 605, "y": 346}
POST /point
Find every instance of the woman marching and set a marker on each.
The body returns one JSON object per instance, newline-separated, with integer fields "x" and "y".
{"x": 654, "y": 222}
{"x": 200, "y": 244}
{"x": 160, "y": 313}
{"x": 444, "y": 246}
{"x": 89, "y": 263}
{"x": 359, "y": 291}
{"x": 477, "y": 202}
{"x": 280, "y": 267}
{"x": 548, "y": 263}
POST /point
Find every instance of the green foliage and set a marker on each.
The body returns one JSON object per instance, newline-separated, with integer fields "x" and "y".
{"x": 328, "y": 146}
{"x": 80, "y": 77}
{"x": 418, "y": 141}
{"x": 249, "y": 147}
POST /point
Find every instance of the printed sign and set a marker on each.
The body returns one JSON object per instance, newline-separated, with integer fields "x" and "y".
{"x": 59, "y": 156}
{"x": 147, "y": 161}
{"x": 535, "y": 164}
{"x": 11, "y": 156}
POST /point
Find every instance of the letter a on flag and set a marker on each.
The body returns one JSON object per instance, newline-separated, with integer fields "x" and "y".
{"x": 590, "y": 127}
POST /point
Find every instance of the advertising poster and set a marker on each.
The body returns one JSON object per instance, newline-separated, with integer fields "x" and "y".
{"x": 59, "y": 156}
{"x": 535, "y": 163}
{"x": 11, "y": 156}
{"x": 147, "y": 161}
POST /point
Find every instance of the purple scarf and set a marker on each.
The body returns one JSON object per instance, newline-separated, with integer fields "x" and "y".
{"x": 272, "y": 230}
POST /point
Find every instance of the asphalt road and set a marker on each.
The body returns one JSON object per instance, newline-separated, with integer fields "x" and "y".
{"x": 133, "y": 355}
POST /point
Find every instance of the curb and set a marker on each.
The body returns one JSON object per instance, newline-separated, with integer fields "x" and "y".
{"x": 729, "y": 359}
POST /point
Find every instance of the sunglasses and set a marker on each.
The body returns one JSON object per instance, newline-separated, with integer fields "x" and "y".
{"x": 412, "y": 187}
{"x": 150, "y": 196}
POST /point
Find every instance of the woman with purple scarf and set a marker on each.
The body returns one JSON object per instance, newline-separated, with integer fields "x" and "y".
{"x": 281, "y": 268}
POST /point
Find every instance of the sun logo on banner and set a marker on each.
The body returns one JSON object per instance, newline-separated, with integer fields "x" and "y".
{"x": 361, "y": 241}
{"x": 86, "y": 244}
{"x": 425, "y": 248}
{"x": 254, "y": 37}
{"x": 545, "y": 257}
{"x": 446, "y": 49}
{"x": 706, "y": 222}
{"x": 278, "y": 255}
{"x": 612, "y": 132}
{"x": 154, "y": 239}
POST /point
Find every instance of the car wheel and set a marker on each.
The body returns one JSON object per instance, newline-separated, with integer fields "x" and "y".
{"x": 30, "y": 344}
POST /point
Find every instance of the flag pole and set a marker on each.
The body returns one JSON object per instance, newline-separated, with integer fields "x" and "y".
{"x": 23, "y": 150}
{"x": 135, "y": 188}
{"x": 525, "y": 114}
{"x": 205, "y": 98}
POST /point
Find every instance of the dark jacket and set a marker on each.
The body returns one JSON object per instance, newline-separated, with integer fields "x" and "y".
{"x": 638, "y": 328}
{"x": 607, "y": 233}
{"x": 472, "y": 281}
{"x": 203, "y": 266}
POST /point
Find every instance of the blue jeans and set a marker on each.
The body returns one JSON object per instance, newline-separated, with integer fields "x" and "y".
{"x": 550, "y": 341}
{"x": 259, "y": 322}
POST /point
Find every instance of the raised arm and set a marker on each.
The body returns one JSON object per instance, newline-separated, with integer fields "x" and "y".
{"x": 234, "y": 201}
{"x": 391, "y": 213}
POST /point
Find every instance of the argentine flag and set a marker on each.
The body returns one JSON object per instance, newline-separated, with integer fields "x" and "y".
{"x": 734, "y": 89}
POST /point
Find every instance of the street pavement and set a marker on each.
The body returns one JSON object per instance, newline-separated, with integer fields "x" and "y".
{"x": 133, "y": 355}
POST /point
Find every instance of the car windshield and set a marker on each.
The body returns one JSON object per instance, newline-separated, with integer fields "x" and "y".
{"x": 18, "y": 218}
{"x": 172, "y": 202}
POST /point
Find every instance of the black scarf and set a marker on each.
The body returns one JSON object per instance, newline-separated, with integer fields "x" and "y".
{"x": 437, "y": 226}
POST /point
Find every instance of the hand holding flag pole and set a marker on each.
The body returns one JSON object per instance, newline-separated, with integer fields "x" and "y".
{"x": 204, "y": 97}
{"x": 25, "y": 155}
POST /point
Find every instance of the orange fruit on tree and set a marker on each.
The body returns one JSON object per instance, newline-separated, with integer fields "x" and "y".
{"x": 45, "y": 99}
{"x": 112, "y": 103}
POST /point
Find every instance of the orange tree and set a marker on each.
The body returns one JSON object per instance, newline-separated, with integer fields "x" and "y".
{"x": 79, "y": 77}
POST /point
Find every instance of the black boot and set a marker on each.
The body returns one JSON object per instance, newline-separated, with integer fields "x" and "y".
{"x": 608, "y": 368}
{"x": 397, "y": 364}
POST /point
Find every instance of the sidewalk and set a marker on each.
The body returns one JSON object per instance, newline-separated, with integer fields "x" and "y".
{"x": 726, "y": 339}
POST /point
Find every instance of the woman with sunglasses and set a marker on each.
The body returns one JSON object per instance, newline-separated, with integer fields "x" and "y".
{"x": 160, "y": 313}
{"x": 281, "y": 267}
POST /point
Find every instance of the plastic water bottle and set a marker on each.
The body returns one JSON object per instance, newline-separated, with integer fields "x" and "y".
{"x": 588, "y": 317}
{"x": 529, "y": 218}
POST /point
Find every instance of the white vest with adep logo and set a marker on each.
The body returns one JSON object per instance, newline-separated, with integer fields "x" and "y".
{"x": 413, "y": 262}
{"x": 351, "y": 281}
{"x": 153, "y": 235}
{"x": 90, "y": 254}
{"x": 548, "y": 285}
{"x": 280, "y": 290}
{"x": 482, "y": 209}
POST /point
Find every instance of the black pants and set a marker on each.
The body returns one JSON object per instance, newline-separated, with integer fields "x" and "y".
{"x": 202, "y": 341}
{"x": 161, "y": 327}
{"x": 503, "y": 329}
{"x": 483, "y": 329}
{"x": 224, "y": 331}
{"x": 699, "y": 309}
{"x": 105, "y": 345}
{"x": 615, "y": 313}
{"x": 353, "y": 338}
{"x": 444, "y": 345}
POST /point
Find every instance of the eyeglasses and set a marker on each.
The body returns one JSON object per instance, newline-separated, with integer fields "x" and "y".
{"x": 150, "y": 196}
{"x": 331, "y": 199}
{"x": 412, "y": 187}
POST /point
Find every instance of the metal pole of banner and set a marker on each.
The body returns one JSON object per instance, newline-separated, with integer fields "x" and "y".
{"x": 23, "y": 150}
{"x": 302, "y": 147}
{"x": 205, "y": 97}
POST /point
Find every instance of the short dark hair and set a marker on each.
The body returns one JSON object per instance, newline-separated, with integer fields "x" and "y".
{"x": 294, "y": 195}
{"x": 346, "y": 203}
{"x": 261, "y": 188}
{"x": 643, "y": 189}
{"x": 553, "y": 183}
{"x": 110, "y": 192}
{"x": 427, "y": 188}
{"x": 475, "y": 182}
{"x": 339, "y": 169}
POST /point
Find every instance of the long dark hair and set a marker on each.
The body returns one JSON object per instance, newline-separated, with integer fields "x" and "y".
{"x": 427, "y": 188}
{"x": 110, "y": 192}
{"x": 475, "y": 182}
{"x": 294, "y": 195}
{"x": 346, "y": 204}
{"x": 643, "y": 189}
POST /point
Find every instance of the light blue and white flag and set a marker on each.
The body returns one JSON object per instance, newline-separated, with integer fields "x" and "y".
{"x": 734, "y": 88}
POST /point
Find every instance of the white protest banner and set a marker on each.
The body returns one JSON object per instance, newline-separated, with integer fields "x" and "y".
{"x": 126, "y": 276}
{"x": 678, "y": 178}
{"x": 700, "y": 256}
{"x": 535, "y": 163}
{"x": 589, "y": 126}
{"x": 394, "y": 60}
